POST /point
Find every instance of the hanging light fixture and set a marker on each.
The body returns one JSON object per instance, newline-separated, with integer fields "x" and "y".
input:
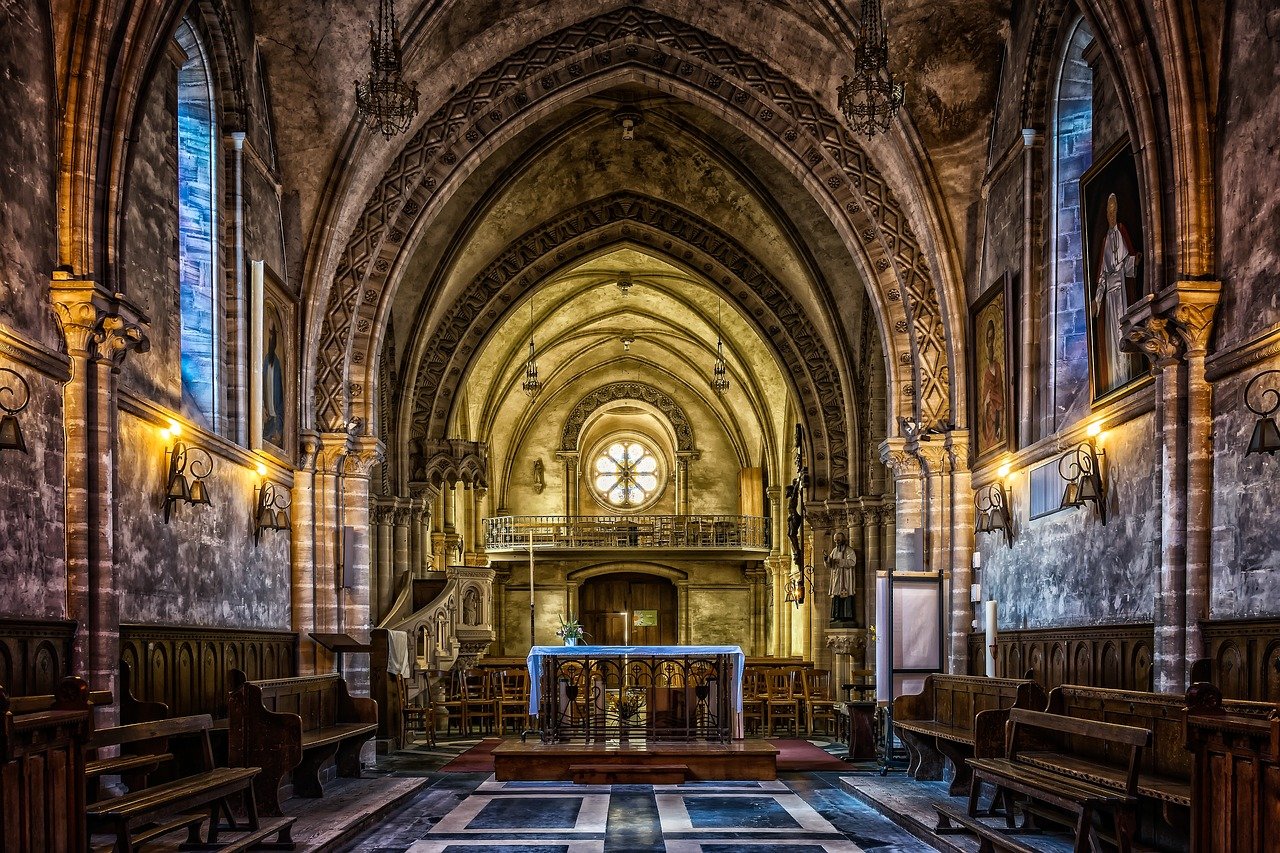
{"x": 386, "y": 103}
{"x": 1265, "y": 404}
{"x": 15, "y": 394}
{"x": 531, "y": 386}
{"x": 720, "y": 372}
{"x": 870, "y": 100}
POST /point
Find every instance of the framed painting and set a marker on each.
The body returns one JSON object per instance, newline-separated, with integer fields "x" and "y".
{"x": 994, "y": 369}
{"x": 273, "y": 349}
{"x": 1111, "y": 210}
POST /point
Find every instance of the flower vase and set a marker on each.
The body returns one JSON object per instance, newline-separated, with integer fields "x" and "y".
{"x": 571, "y": 641}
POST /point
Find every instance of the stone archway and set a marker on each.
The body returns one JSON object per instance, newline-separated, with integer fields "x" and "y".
{"x": 628, "y": 391}
{"x": 817, "y": 148}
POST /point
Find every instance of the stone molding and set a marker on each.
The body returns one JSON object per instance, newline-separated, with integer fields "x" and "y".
{"x": 627, "y": 390}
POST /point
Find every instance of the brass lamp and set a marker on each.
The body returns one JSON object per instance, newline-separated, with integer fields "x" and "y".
{"x": 184, "y": 461}
{"x": 272, "y": 511}
{"x": 1081, "y": 470}
{"x": 15, "y": 394}
{"x": 1266, "y": 435}
{"x": 992, "y": 504}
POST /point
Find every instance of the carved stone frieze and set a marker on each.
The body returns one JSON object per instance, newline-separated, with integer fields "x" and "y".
{"x": 852, "y": 642}
{"x": 641, "y": 391}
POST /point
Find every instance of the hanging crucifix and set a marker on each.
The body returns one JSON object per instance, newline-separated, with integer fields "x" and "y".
{"x": 796, "y": 492}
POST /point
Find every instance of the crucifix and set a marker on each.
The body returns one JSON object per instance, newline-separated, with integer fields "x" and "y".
{"x": 796, "y": 492}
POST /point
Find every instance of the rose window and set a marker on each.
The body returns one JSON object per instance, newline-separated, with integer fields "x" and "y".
{"x": 626, "y": 474}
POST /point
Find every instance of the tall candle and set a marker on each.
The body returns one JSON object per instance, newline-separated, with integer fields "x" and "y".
{"x": 991, "y": 639}
{"x": 884, "y": 640}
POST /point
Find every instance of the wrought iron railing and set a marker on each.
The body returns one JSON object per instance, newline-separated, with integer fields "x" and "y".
{"x": 636, "y": 697}
{"x": 518, "y": 532}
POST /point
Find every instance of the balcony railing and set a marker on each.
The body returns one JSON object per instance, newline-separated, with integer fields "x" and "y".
{"x": 544, "y": 532}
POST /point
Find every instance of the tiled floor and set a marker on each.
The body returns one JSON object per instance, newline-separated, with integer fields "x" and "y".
{"x": 471, "y": 812}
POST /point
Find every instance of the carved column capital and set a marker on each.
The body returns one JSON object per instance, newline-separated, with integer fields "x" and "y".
{"x": 332, "y": 448}
{"x": 1175, "y": 322}
{"x": 384, "y": 514}
{"x": 117, "y": 337}
{"x": 959, "y": 445}
{"x": 308, "y": 448}
{"x": 895, "y": 456}
{"x": 934, "y": 456}
{"x": 1194, "y": 305}
{"x": 365, "y": 453}
{"x": 1153, "y": 337}
{"x": 852, "y": 642}
{"x": 96, "y": 323}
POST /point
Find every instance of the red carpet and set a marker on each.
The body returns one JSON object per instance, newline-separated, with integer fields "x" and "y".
{"x": 477, "y": 759}
{"x": 797, "y": 754}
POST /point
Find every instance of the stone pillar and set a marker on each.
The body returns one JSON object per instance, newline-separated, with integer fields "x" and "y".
{"x": 822, "y": 521}
{"x": 570, "y": 460}
{"x": 960, "y": 523}
{"x": 888, "y": 535}
{"x": 682, "y": 607}
{"x": 366, "y": 453}
{"x": 328, "y": 530}
{"x": 683, "y": 490}
{"x": 303, "y": 533}
{"x": 476, "y": 554}
{"x": 1030, "y": 310}
{"x": 908, "y": 480}
{"x": 757, "y": 577}
{"x": 1172, "y": 328}
{"x": 100, "y": 330}
{"x": 423, "y": 562}
{"x": 384, "y": 518}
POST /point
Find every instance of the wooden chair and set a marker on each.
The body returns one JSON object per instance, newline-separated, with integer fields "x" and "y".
{"x": 454, "y": 703}
{"x": 419, "y": 712}
{"x": 754, "y": 697}
{"x": 512, "y": 700}
{"x": 781, "y": 705}
{"x": 477, "y": 701}
{"x": 819, "y": 704}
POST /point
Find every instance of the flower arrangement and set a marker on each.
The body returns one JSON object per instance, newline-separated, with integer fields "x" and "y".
{"x": 570, "y": 631}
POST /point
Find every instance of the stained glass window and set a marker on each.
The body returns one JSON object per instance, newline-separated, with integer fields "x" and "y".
{"x": 626, "y": 474}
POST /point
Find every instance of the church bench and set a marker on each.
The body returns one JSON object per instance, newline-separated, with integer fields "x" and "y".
{"x": 958, "y": 717}
{"x": 150, "y": 812}
{"x": 295, "y": 725}
{"x": 1078, "y": 799}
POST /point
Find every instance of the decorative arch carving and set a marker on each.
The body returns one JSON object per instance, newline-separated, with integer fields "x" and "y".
{"x": 614, "y": 391}
{"x": 794, "y": 119}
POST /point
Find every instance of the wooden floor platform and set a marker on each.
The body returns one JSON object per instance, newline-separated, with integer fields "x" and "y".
{"x": 635, "y": 761}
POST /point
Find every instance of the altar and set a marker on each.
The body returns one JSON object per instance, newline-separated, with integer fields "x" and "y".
{"x": 635, "y": 714}
{"x": 651, "y": 693}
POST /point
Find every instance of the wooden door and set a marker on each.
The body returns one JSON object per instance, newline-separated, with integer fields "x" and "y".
{"x": 629, "y": 607}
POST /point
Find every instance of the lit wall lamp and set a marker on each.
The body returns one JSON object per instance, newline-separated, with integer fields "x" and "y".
{"x": 1266, "y": 435}
{"x": 1081, "y": 470}
{"x": 992, "y": 503}
{"x": 272, "y": 511}
{"x": 185, "y": 462}
{"x": 15, "y": 394}
{"x": 796, "y": 586}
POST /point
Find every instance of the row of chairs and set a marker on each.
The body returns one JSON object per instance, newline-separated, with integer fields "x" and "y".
{"x": 799, "y": 698}
{"x": 491, "y": 701}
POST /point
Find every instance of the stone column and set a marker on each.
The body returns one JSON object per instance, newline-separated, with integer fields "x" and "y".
{"x": 423, "y": 562}
{"x": 822, "y": 522}
{"x": 960, "y": 523}
{"x": 1030, "y": 310}
{"x": 366, "y": 453}
{"x": 1169, "y": 327}
{"x": 871, "y": 523}
{"x": 757, "y": 576}
{"x": 888, "y": 535}
{"x": 384, "y": 518}
{"x": 327, "y": 580}
{"x": 682, "y": 607}
{"x": 908, "y": 480}
{"x": 683, "y": 500}
{"x": 100, "y": 331}
{"x": 856, "y": 534}
{"x": 303, "y": 533}
{"x": 570, "y": 460}
{"x": 476, "y": 554}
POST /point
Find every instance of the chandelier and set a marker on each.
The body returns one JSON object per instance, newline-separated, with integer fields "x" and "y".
{"x": 531, "y": 386}
{"x": 385, "y": 102}
{"x": 720, "y": 372}
{"x": 870, "y": 100}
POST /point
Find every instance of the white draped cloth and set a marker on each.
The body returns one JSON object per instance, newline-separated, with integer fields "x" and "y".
{"x": 398, "y": 653}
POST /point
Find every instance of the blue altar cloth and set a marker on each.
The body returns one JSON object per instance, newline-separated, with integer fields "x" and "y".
{"x": 537, "y": 653}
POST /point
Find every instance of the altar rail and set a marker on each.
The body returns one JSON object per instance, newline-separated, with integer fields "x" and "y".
{"x": 513, "y": 532}
{"x": 666, "y": 697}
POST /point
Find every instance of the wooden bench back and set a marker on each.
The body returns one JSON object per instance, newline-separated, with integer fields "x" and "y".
{"x": 320, "y": 700}
{"x": 1130, "y": 741}
{"x": 956, "y": 700}
{"x": 1159, "y": 713}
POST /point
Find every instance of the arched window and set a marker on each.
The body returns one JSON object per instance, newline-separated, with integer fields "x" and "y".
{"x": 197, "y": 227}
{"x": 1072, "y": 154}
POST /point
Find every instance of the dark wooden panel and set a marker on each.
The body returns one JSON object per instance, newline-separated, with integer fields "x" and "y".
{"x": 602, "y": 600}
{"x": 1244, "y": 658}
{"x": 35, "y": 654}
{"x": 186, "y": 668}
{"x": 1112, "y": 656}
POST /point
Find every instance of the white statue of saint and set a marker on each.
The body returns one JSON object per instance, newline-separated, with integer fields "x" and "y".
{"x": 841, "y": 562}
{"x": 1111, "y": 298}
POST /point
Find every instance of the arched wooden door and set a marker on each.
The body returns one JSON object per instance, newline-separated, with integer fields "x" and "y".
{"x": 629, "y": 608}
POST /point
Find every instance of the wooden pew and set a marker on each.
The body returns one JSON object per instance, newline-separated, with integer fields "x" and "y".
{"x": 42, "y": 739}
{"x": 1235, "y": 782}
{"x": 959, "y": 717}
{"x": 1067, "y": 798}
{"x": 144, "y": 815}
{"x": 295, "y": 725}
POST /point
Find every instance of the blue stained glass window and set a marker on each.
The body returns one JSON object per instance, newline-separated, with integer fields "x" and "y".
{"x": 197, "y": 218}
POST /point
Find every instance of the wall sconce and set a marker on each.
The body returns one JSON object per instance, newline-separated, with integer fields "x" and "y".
{"x": 1266, "y": 435}
{"x": 992, "y": 503}
{"x": 15, "y": 394}
{"x": 272, "y": 511}
{"x": 1082, "y": 472}
{"x": 796, "y": 585}
{"x": 185, "y": 460}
